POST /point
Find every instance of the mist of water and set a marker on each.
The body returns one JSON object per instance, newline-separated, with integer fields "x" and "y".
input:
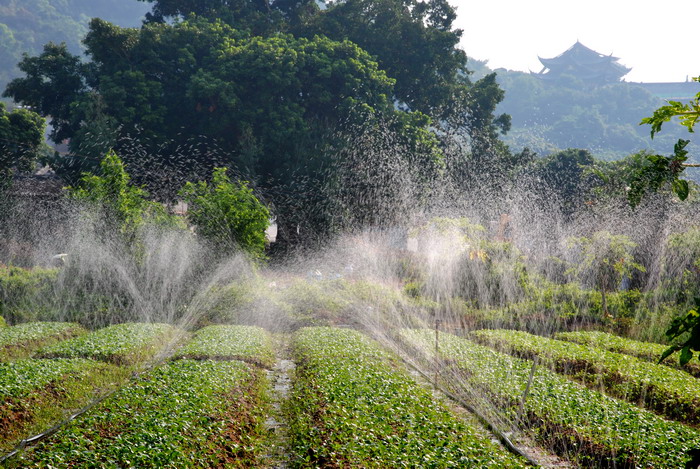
{"x": 452, "y": 253}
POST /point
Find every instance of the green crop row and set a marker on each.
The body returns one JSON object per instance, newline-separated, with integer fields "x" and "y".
{"x": 20, "y": 340}
{"x": 186, "y": 413}
{"x": 351, "y": 406}
{"x": 221, "y": 342}
{"x": 666, "y": 390}
{"x": 585, "y": 425}
{"x": 647, "y": 351}
{"x": 126, "y": 343}
{"x": 35, "y": 393}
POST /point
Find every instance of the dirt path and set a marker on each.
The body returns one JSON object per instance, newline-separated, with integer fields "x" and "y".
{"x": 280, "y": 379}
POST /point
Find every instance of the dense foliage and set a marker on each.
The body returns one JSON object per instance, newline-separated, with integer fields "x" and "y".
{"x": 278, "y": 93}
{"x": 21, "y": 139}
{"x": 123, "y": 206}
{"x": 22, "y": 292}
{"x": 227, "y": 213}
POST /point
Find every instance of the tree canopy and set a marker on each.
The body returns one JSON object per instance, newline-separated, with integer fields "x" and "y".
{"x": 21, "y": 139}
{"x": 271, "y": 90}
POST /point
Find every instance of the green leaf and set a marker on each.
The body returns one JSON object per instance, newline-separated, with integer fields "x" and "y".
{"x": 680, "y": 187}
{"x": 667, "y": 353}
{"x": 686, "y": 355}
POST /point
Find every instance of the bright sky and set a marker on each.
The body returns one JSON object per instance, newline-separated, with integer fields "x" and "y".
{"x": 657, "y": 39}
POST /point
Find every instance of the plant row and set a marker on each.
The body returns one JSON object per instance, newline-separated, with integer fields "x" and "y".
{"x": 582, "y": 424}
{"x": 187, "y": 413}
{"x": 647, "y": 351}
{"x": 353, "y": 406}
{"x": 666, "y": 390}
{"x": 21, "y": 340}
{"x": 222, "y": 342}
{"x": 36, "y": 392}
{"x": 123, "y": 344}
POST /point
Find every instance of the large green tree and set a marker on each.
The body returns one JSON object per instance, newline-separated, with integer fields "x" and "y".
{"x": 272, "y": 106}
{"x": 21, "y": 139}
{"x": 413, "y": 41}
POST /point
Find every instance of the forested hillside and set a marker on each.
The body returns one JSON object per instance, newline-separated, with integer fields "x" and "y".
{"x": 26, "y": 25}
{"x": 548, "y": 116}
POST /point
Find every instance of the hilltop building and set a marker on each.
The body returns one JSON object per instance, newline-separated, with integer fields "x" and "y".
{"x": 585, "y": 64}
{"x": 596, "y": 69}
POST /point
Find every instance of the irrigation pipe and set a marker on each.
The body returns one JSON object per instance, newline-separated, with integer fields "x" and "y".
{"x": 482, "y": 418}
{"x": 32, "y": 440}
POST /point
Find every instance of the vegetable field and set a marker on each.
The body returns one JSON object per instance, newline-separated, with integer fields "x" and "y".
{"x": 668, "y": 391}
{"x": 586, "y": 425}
{"x": 150, "y": 395}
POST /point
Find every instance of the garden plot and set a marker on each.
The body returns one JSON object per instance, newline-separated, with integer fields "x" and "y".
{"x": 21, "y": 340}
{"x": 35, "y": 393}
{"x": 666, "y": 390}
{"x": 352, "y": 405}
{"x": 123, "y": 344}
{"x": 647, "y": 351}
{"x": 582, "y": 424}
{"x": 187, "y": 413}
{"x": 222, "y": 342}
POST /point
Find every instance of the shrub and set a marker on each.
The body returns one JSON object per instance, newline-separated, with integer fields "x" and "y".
{"x": 123, "y": 206}
{"x": 227, "y": 213}
{"x": 25, "y": 294}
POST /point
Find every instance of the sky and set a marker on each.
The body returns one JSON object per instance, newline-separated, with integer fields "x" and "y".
{"x": 657, "y": 39}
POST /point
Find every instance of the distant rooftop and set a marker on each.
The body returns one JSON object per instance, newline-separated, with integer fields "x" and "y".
{"x": 583, "y": 63}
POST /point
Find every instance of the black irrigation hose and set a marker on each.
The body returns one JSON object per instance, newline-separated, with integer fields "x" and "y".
{"x": 47, "y": 433}
{"x": 482, "y": 418}
{"x": 19, "y": 447}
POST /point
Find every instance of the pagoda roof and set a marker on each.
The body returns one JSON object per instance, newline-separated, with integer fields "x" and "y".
{"x": 587, "y": 62}
{"x": 578, "y": 54}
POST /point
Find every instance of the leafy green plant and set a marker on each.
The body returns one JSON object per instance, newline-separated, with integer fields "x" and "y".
{"x": 36, "y": 393}
{"x": 227, "y": 213}
{"x": 20, "y": 340}
{"x": 187, "y": 413}
{"x": 124, "y": 207}
{"x": 686, "y": 326}
{"x": 25, "y": 294}
{"x": 351, "y": 406}
{"x": 666, "y": 390}
{"x": 127, "y": 343}
{"x": 222, "y": 342}
{"x": 606, "y": 259}
{"x": 645, "y": 350}
{"x": 583, "y": 424}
